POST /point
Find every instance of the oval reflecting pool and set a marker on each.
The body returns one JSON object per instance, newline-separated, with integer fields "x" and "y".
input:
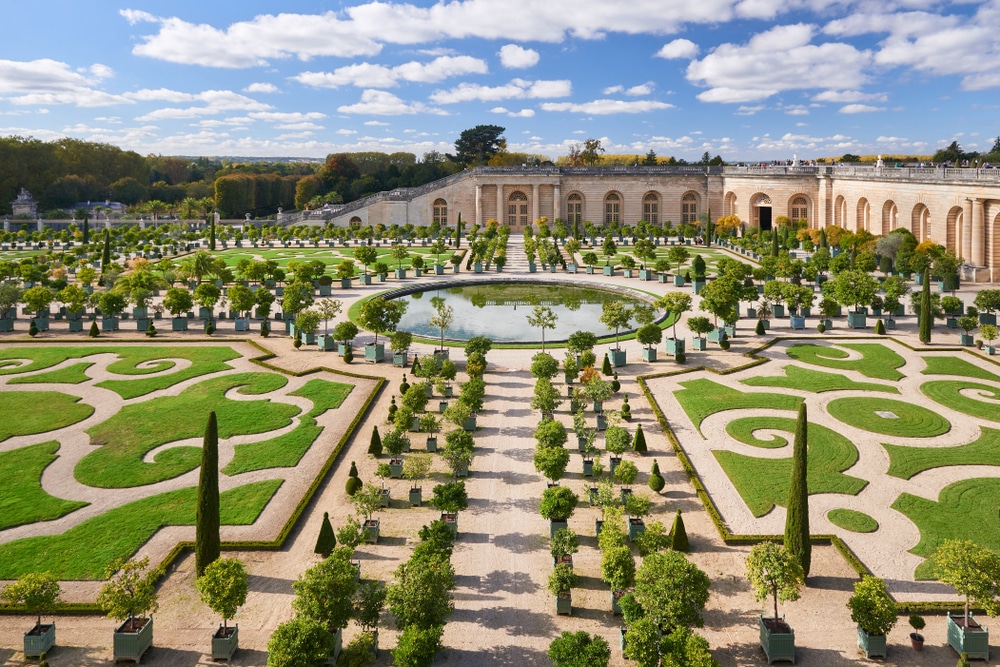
{"x": 500, "y": 310}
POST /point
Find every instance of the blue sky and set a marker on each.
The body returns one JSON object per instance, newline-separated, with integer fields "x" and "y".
{"x": 745, "y": 79}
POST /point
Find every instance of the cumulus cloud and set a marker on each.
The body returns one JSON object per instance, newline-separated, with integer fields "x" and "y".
{"x": 641, "y": 89}
{"x": 368, "y": 75}
{"x": 613, "y": 90}
{"x": 215, "y": 101}
{"x": 46, "y": 81}
{"x": 679, "y": 48}
{"x": 841, "y": 96}
{"x": 606, "y": 107}
{"x": 756, "y": 70}
{"x": 516, "y": 89}
{"x": 513, "y": 56}
{"x": 382, "y": 103}
{"x": 261, "y": 88}
{"x": 376, "y": 123}
{"x": 859, "y": 108}
{"x": 523, "y": 113}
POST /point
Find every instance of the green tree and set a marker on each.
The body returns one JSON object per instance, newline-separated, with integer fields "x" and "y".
{"x": 477, "y": 145}
{"x": 300, "y": 642}
{"x": 325, "y": 592}
{"x": 223, "y": 587}
{"x": 678, "y": 535}
{"x": 926, "y": 312}
{"x": 871, "y": 607}
{"x": 615, "y": 315}
{"x": 543, "y": 318}
{"x": 382, "y": 316}
{"x": 207, "y": 540}
{"x": 130, "y": 590}
{"x": 797, "y": 542}
{"x": 973, "y": 571}
{"x": 590, "y": 154}
{"x": 773, "y": 573}
{"x": 421, "y": 594}
{"x": 38, "y": 592}
{"x": 417, "y": 646}
{"x": 444, "y": 316}
{"x": 672, "y": 590}
{"x": 579, "y": 649}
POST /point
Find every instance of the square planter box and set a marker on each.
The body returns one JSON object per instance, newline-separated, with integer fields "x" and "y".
{"x": 617, "y": 357}
{"x": 674, "y": 346}
{"x": 778, "y": 310}
{"x": 602, "y": 422}
{"x": 609, "y": 270}
{"x": 326, "y": 343}
{"x": 470, "y": 423}
{"x": 678, "y": 280}
{"x": 974, "y": 640}
{"x": 375, "y": 352}
{"x": 74, "y": 326}
{"x": 242, "y": 324}
{"x": 649, "y": 354}
{"x": 178, "y": 324}
{"x": 636, "y": 527}
{"x": 588, "y": 467}
{"x": 416, "y": 496}
{"x": 439, "y": 269}
{"x": 777, "y": 645}
{"x": 132, "y": 645}
{"x": 39, "y": 639}
{"x": 450, "y": 520}
{"x": 432, "y": 443}
{"x": 966, "y": 339}
{"x": 698, "y": 343}
{"x": 109, "y": 324}
{"x": 645, "y": 274}
{"x": 872, "y": 645}
{"x": 717, "y": 335}
{"x": 564, "y": 604}
{"x": 400, "y": 274}
{"x": 371, "y": 530}
{"x": 797, "y": 322}
{"x": 399, "y": 359}
{"x": 627, "y": 273}
{"x": 890, "y": 324}
{"x": 338, "y": 646}
{"x": 396, "y": 468}
{"x": 697, "y": 286}
{"x": 857, "y": 320}
{"x": 223, "y": 647}
{"x": 384, "y": 498}
{"x": 987, "y": 318}
{"x": 555, "y": 525}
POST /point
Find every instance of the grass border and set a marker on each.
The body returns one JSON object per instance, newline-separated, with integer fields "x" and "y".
{"x": 90, "y": 608}
{"x": 733, "y": 539}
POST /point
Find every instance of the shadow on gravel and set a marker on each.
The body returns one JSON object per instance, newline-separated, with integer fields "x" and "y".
{"x": 517, "y": 583}
{"x": 515, "y": 656}
{"x": 518, "y": 543}
{"x": 260, "y": 584}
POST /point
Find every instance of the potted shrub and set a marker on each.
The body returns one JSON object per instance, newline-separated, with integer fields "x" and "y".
{"x": 576, "y": 649}
{"x": 345, "y": 332}
{"x": 856, "y": 287}
{"x": 306, "y": 324}
{"x": 400, "y": 342}
{"x": 300, "y": 641}
{"x": 430, "y": 424}
{"x": 325, "y": 594}
{"x": 970, "y": 569}
{"x": 557, "y": 505}
{"x": 561, "y": 583}
{"x": 178, "y": 301}
{"x": 916, "y": 639}
{"x": 649, "y": 335}
{"x": 562, "y": 546}
{"x": 967, "y": 323}
{"x": 223, "y": 588}
{"x": 617, "y": 441}
{"x": 128, "y": 595}
{"x": 774, "y": 574}
{"x": 38, "y": 593}
{"x": 700, "y": 326}
{"x": 989, "y": 333}
{"x": 618, "y": 572}
{"x": 676, "y": 303}
{"x": 327, "y": 309}
{"x": 616, "y": 315}
{"x": 450, "y": 499}
{"x": 380, "y": 316}
{"x": 415, "y": 468}
{"x": 875, "y": 614}
{"x": 637, "y": 507}
{"x": 367, "y": 501}
{"x": 458, "y": 450}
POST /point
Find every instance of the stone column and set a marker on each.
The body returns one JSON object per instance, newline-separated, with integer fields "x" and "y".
{"x": 556, "y": 203}
{"x": 535, "y": 215}
{"x": 966, "y": 253}
{"x": 978, "y": 255}
{"x": 479, "y": 204}
{"x": 40, "y": 226}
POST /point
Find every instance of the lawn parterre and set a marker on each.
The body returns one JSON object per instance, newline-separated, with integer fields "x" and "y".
{"x": 850, "y": 419}
{"x": 117, "y": 451}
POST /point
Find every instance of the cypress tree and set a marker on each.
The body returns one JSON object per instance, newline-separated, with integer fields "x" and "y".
{"x": 86, "y": 229}
{"x": 375, "y": 446}
{"x": 94, "y": 331}
{"x": 327, "y": 541}
{"x": 207, "y": 541}
{"x": 678, "y": 535}
{"x": 606, "y": 366}
{"x": 106, "y": 255}
{"x": 639, "y": 445}
{"x": 926, "y": 316}
{"x": 797, "y": 519}
{"x": 822, "y": 239}
{"x": 774, "y": 242}
{"x": 211, "y": 235}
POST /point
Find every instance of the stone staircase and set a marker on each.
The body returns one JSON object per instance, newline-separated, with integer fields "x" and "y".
{"x": 517, "y": 261}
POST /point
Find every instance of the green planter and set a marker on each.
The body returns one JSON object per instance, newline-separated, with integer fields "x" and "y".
{"x": 588, "y": 467}
{"x": 797, "y": 323}
{"x": 224, "y": 647}
{"x": 636, "y": 527}
{"x": 470, "y": 423}
{"x": 872, "y": 645}
{"x": 674, "y": 346}
{"x": 400, "y": 273}
{"x": 338, "y": 646}
{"x": 384, "y": 497}
{"x": 776, "y": 645}
{"x": 450, "y": 520}
{"x": 857, "y": 320}
{"x": 132, "y": 645}
{"x": 649, "y": 354}
{"x": 602, "y": 422}
{"x": 974, "y": 640}
{"x": 375, "y": 352}
{"x": 178, "y": 324}
{"x": 564, "y": 604}
{"x": 617, "y": 357}
{"x": 554, "y": 525}
{"x": 400, "y": 359}
{"x": 697, "y": 285}
{"x": 609, "y": 270}
{"x": 432, "y": 443}
{"x": 371, "y": 531}
{"x": 39, "y": 639}
{"x": 107, "y": 323}
{"x": 325, "y": 343}
{"x": 396, "y": 468}
{"x": 416, "y": 496}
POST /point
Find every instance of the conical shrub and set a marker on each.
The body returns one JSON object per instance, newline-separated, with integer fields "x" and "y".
{"x": 678, "y": 536}
{"x": 639, "y": 444}
{"x": 327, "y": 541}
{"x": 760, "y": 330}
{"x": 606, "y": 366}
{"x": 404, "y": 386}
{"x": 880, "y": 327}
{"x": 207, "y": 541}
{"x": 94, "y": 331}
{"x": 32, "y": 329}
{"x": 265, "y": 329}
{"x": 375, "y": 445}
{"x": 354, "y": 470}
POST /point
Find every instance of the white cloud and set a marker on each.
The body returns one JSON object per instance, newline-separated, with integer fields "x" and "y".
{"x": 261, "y": 88}
{"x": 513, "y": 56}
{"x": 382, "y": 103}
{"x": 841, "y": 96}
{"x": 286, "y": 116}
{"x": 859, "y": 108}
{"x": 161, "y": 95}
{"x": 756, "y": 70}
{"x": 745, "y": 110}
{"x": 613, "y": 90}
{"x": 216, "y": 101}
{"x": 100, "y": 71}
{"x": 346, "y": 132}
{"x": 523, "y": 113}
{"x": 516, "y": 89}
{"x": 376, "y": 123}
{"x": 641, "y": 89}
{"x": 679, "y": 48}
{"x": 46, "y": 81}
{"x": 368, "y": 75}
{"x": 606, "y": 107}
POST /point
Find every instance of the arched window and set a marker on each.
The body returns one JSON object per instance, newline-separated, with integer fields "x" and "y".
{"x": 517, "y": 209}
{"x": 689, "y": 209}
{"x": 800, "y": 209}
{"x": 612, "y": 208}
{"x": 355, "y": 221}
{"x": 651, "y": 208}
{"x": 440, "y": 212}
{"x": 574, "y": 210}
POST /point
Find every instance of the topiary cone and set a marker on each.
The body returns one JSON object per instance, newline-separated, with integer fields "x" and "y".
{"x": 327, "y": 541}
{"x": 415, "y": 369}
{"x": 639, "y": 444}
{"x": 32, "y": 328}
{"x": 94, "y": 331}
{"x": 354, "y": 470}
{"x": 375, "y": 445}
{"x": 678, "y": 536}
{"x": 265, "y": 329}
{"x": 606, "y": 366}
{"x": 760, "y": 330}
{"x": 880, "y": 327}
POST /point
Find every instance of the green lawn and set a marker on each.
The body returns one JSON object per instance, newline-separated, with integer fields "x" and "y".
{"x": 331, "y": 256}
{"x": 701, "y": 398}
{"x": 965, "y": 510}
{"x": 763, "y": 483}
{"x": 852, "y": 520}
{"x": 285, "y": 451}
{"x": 30, "y": 412}
{"x": 806, "y": 379}
{"x": 910, "y": 421}
{"x": 82, "y": 552}
{"x": 124, "y": 439}
{"x": 905, "y": 462}
{"x": 22, "y": 499}
{"x": 957, "y": 366}
{"x": 744, "y": 430}
{"x": 948, "y": 393}
{"x": 878, "y": 361}
{"x": 75, "y": 374}
{"x": 133, "y": 360}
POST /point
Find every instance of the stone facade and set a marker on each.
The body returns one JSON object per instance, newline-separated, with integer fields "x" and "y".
{"x": 959, "y": 208}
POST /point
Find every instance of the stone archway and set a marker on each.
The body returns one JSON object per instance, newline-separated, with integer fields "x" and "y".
{"x": 761, "y": 211}
{"x": 920, "y": 222}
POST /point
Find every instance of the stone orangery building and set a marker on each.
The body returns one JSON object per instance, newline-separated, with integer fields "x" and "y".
{"x": 958, "y": 208}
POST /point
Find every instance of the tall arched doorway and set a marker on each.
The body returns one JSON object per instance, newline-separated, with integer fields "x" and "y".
{"x": 574, "y": 212}
{"x": 864, "y": 214}
{"x": 920, "y": 222}
{"x": 517, "y": 210}
{"x": 761, "y": 209}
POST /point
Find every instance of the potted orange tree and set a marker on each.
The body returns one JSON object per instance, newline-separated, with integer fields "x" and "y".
{"x": 223, "y": 588}
{"x": 38, "y": 593}
{"x": 128, "y": 596}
